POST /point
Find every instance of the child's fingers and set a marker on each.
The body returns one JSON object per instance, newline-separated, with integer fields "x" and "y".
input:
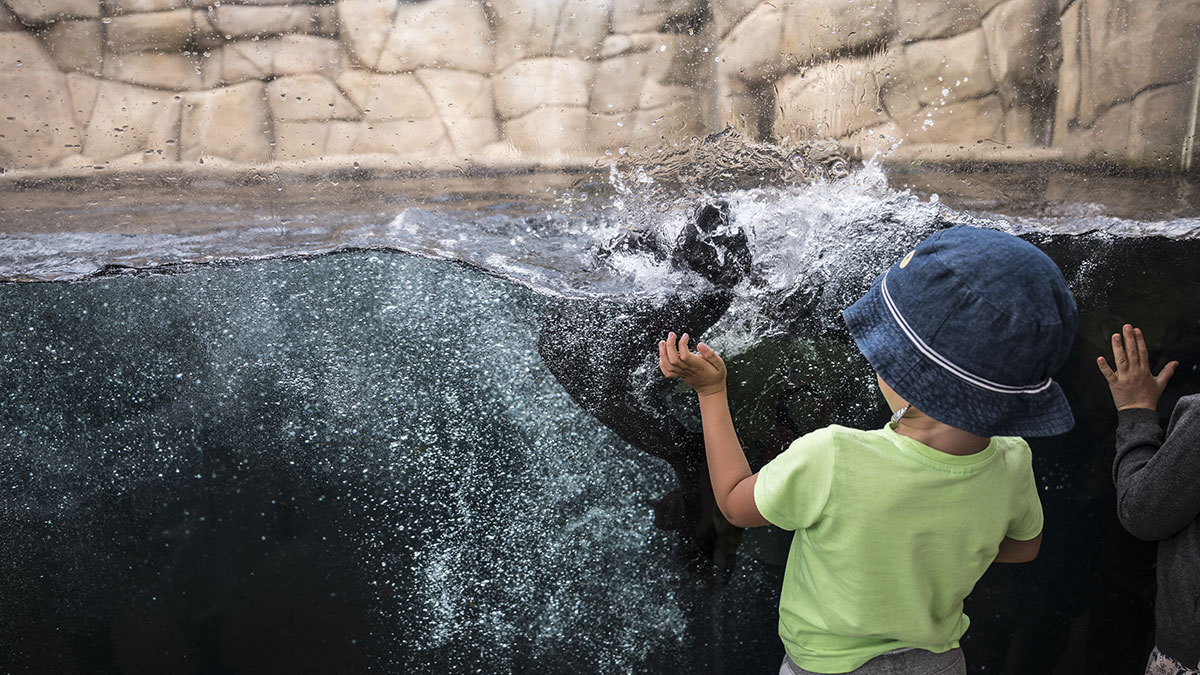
{"x": 684, "y": 353}
{"x": 1165, "y": 374}
{"x": 1119, "y": 359}
{"x": 672, "y": 352}
{"x": 1131, "y": 350}
{"x": 1142, "y": 352}
{"x": 709, "y": 355}
{"x": 1104, "y": 369}
{"x": 663, "y": 365}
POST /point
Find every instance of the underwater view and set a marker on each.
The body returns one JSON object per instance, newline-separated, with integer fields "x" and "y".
{"x": 417, "y": 425}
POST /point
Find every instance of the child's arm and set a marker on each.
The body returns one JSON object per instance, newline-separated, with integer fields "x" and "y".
{"x": 1157, "y": 490}
{"x": 1017, "y": 551}
{"x": 1131, "y": 383}
{"x": 732, "y": 481}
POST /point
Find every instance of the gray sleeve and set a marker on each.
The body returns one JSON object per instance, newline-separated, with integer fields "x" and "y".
{"x": 1158, "y": 481}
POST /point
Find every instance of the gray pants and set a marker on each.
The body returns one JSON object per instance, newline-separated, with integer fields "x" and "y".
{"x": 907, "y": 662}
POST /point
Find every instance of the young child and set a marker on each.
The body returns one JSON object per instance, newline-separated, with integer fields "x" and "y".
{"x": 894, "y": 526}
{"x": 1158, "y": 495}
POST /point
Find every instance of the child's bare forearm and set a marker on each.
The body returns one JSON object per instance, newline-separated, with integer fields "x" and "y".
{"x": 732, "y": 482}
{"x": 704, "y": 372}
{"x": 727, "y": 465}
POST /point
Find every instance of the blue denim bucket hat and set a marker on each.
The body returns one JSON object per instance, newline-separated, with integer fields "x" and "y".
{"x": 969, "y": 328}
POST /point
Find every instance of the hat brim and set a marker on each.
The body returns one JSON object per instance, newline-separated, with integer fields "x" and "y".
{"x": 942, "y": 395}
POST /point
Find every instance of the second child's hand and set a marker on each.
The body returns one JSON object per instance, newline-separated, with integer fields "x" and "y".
{"x": 1131, "y": 382}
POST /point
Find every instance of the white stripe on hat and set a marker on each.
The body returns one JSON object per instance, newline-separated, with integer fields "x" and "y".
{"x": 965, "y": 376}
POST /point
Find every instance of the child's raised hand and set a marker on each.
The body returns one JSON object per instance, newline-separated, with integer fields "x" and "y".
{"x": 704, "y": 371}
{"x": 1132, "y": 384}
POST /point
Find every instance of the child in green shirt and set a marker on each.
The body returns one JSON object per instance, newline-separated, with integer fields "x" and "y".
{"x": 894, "y": 526}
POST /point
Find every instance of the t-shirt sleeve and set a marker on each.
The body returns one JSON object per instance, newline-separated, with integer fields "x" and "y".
{"x": 1027, "y": 520}
{"x": 792, "y": 489}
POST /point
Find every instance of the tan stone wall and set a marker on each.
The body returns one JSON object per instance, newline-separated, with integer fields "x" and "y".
{"x": 134, "y": 82}
{"x": 1084, "y": 80}
{"x": 131, "y": 82}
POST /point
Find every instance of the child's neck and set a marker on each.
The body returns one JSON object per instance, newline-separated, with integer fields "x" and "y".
{"x": 941, "y": 437}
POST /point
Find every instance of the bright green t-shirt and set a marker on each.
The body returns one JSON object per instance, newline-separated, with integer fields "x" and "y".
{"x": 891, "y": 535}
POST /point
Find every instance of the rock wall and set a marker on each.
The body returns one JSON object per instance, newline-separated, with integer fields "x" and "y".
{"x": 440, "y": 82}
{"x": 1086, "y": 80}
{"x": 129, "y": 82}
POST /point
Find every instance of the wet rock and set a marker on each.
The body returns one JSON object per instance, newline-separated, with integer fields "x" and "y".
{"x": 925, "y": 19}
{"x": 366, "y": 25}
{"x": 128, "y": 119}
{"x": 8, "y": 20}
{"x": 753, "y": 51}
{"x": 963, "y": 122}
{"x": 465, "y": 105}
{"x": 392, "y": 37}
{"x": 326, "y": 21}
{"x": 668, "y": 124}
{"x": 135, "y": 6}
{"x": 204, "y": 34}
{"x": 82, "y": 91}
{"x": 37, "y": 127}
{"x": 76, "y": 45}
{"x": 660, "y": 16}
{"x": 534, "y": 83}
{"x": 615, "y": 45}
{"x": 741, "y": 105}
{"x": 1112, "y": 51}
{"x": 37, "y": 12}
{"x": 881, "y": 139}
{"x": 1021, "y": 128}
{"x": 230, "y": 122}
{"x": 537, "y": 28}
{"x": 549, "y": 132}
{"x": 646, "y": 127}
{"x": 307, "y": 140}
{"x": 612, "y": 131}
{"x": 180, "y": 72}
{"x": 728, "y": 13}
{"x": 638, "y": 80}
{"x": 834, "y": 99}
{"x": 306, "y": 98}
{"x": 165, "y": 31}
{"x": 274, "y": 57}
{"x": 1022, "y": 40}
{"x": 383, "y": 96}
{"x": 952, "y": 69}
{"x": 243, "y": 21}
{"x": 1106, "y": 139}
{"x": 814, "y": 30}
{"x": 1157, "y": 128}
{"x": 1020, "y": 37}
{"x": 413, "y": 138}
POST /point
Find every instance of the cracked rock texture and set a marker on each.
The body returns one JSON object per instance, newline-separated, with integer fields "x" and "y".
{"x": 1092, "y": 80}
{"x": 129, "y": 82}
